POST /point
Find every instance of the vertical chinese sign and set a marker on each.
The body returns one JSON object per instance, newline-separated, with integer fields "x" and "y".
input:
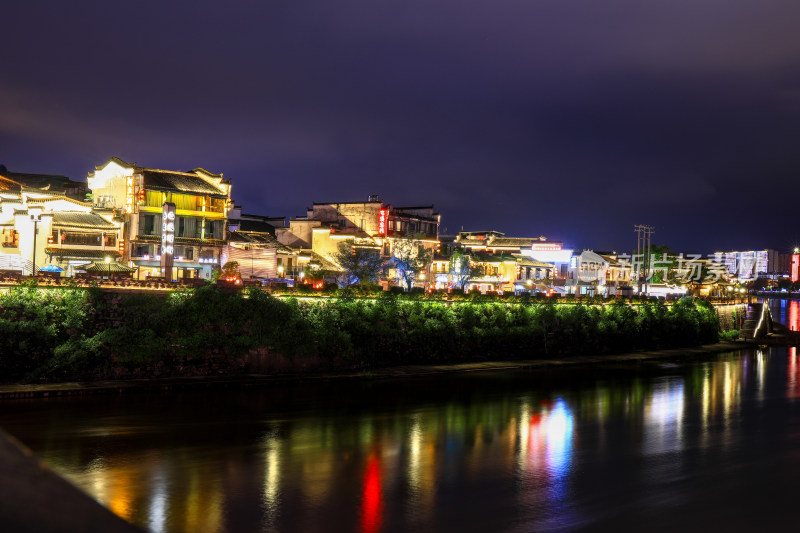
{"x": 129, "y": 196}
{"x": 382, "y": 222}
{"x": 167, "y": 239}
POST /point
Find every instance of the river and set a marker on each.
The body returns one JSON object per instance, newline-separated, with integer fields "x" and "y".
{"x": 679, "y": 445}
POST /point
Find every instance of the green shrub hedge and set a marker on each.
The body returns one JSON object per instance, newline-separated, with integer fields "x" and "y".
{"x": 50, "y": 334}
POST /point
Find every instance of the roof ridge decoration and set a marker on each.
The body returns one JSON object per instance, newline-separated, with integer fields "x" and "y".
{"x": 58, "y": 197}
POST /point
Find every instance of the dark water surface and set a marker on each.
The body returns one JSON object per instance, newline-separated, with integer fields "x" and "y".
{"x": 786, "y": 312}
{"x": 683, "y": 445}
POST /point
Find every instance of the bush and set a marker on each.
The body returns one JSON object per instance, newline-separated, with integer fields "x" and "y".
{"x": 50, "y": 334}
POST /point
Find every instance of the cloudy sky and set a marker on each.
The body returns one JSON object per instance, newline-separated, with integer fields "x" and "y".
{"x": 574, "y": 119}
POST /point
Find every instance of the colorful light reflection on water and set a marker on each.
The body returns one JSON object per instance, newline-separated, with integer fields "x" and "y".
{"x": 521, "y": 451}
{"x": 786, "y": 312}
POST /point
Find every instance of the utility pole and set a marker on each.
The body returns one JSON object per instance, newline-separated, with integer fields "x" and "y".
{"x": 643, "y": 237}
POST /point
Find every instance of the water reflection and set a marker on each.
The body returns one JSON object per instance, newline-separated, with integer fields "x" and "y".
{"x": 372, "y": 497}
{"x": 786, "y": 312}
{"x": 663, "y": 417}
{"x": 495, "y": 452}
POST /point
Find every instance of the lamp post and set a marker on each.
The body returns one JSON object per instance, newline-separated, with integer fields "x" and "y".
{"x": 35, "y": 217}
{"x": 108, "y": 262}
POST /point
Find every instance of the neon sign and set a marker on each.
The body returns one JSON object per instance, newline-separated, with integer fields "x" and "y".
{"x": 167, "y": 238}
{"x": 382, "y": 222}
{"x": 129, "y": 195}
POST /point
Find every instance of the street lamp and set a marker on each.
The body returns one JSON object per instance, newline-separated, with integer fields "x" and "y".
{"x": 280, "y": 271}
{"x": 108, "y": 262}
{"x": 36, "y": 218}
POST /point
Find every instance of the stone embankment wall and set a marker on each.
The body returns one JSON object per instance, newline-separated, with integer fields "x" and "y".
{"x": 731, "y": 316}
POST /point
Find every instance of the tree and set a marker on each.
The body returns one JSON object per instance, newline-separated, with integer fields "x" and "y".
{"x": 231, "y": 270}
{"x": 409, "y": 258}
{"x": 462, "y": 269}
{"x": 360, "y": 264}
{"x": 663, "y": 263}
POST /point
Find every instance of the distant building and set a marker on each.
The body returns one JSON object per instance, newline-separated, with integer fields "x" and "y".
{"x": 54, "y": 183}
{"x": 744, "y": 266}
{"x": 238, "y": 221}
{"x": 371, "y": 224}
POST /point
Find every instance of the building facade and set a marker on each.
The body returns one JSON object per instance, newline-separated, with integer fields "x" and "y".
{"x": 45, "y": 229}
{"x": 137, "y": 197}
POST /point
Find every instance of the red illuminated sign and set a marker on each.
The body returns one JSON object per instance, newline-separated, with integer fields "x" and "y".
{"x": 795, "y": 268}
{"x": 382, "y": 222}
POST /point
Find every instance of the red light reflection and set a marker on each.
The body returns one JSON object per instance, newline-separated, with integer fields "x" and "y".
{"x": 372, "y": 497}
{"x": 793, "y": 315}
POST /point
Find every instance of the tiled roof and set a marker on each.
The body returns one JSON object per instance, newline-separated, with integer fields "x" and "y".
{"x": 181, "y": 240}
{"x": 80, "y": 253}
{"x": 81, "y": 220}
{"x": 253, "y": 225}
{"x": 258, "y": 238}
{"x": 324, "y": 263}
{"x": 178, "y": 181}
{"x": 528, "y": 262}
{"x": 112, "y": 267}
{"x": 7, "y": 184}
{"x": 52, "y": 182}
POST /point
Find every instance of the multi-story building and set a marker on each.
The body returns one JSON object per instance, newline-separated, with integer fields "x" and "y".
{"x": 744, "y": 266}
{"x": 366, "y": 224}
{"x": 510, "y": 263}
{"x": 588, "y": 274}
{"x": 195, "y": 233}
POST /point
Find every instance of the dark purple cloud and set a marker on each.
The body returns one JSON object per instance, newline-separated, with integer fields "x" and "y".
{"x": 573, "y": 119}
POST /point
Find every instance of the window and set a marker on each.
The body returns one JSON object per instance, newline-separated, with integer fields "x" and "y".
{"x": 187, "y": 227}
{"x": 214, "y": 229}
{"x": 142, "y": 250}
{"x": 10, "y": 238}
{"x": 186, "y": 252}
{"x": 154, "y": 198}
{"x": 82, "y": 239}
{"x": 109, "y": 239}
{"x": 149, "y": 224}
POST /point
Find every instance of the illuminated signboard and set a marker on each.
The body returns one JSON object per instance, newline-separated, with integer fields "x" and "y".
{"x": 167, "y": 238}
{"x": 129, "y": 195}
{"x": 795, "y": 268}
{"x": 382, "y": 222}
{"x": 549, "y": 247}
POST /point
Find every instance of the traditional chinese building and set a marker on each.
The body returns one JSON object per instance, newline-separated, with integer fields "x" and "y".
{"x": 367, "y": 224}
{"x": 45, "y": 229}
{"x": 137, "y": 196}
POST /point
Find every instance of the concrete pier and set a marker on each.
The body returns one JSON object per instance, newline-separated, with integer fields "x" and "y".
{"x": 36, "y": 499}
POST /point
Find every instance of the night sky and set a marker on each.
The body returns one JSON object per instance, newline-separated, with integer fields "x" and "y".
{"x": 574, "y": 119}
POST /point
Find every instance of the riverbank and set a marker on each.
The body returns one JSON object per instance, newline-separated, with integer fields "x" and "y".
{"x": 36, "y": 499}
{"x": 85, "y": 335}
{"x": 9, "y": 391}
